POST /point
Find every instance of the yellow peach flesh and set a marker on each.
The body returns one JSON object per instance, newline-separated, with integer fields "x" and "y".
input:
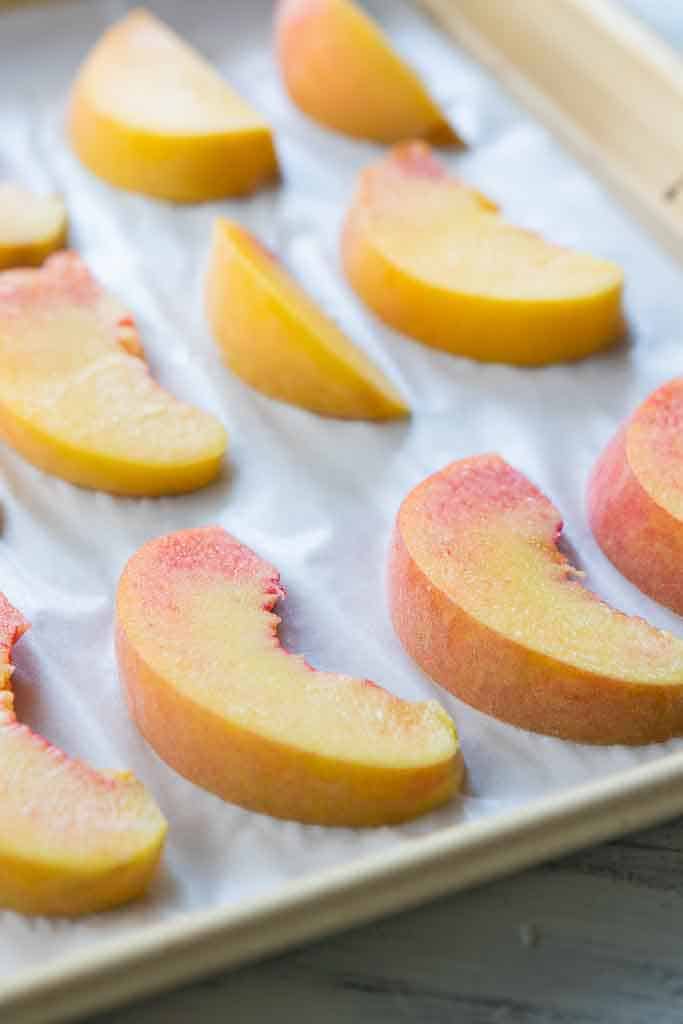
{"x": 76, "y": 397}
{"x": 31, "y": 227}
{"x": 513, "y": 631}
{"x": 341, "y": 70}
{"x": 437, "y": 261}
{"x": 274, "y": 337}
{"x": 148, "y": 113}
{"x": 72, "y": 840}
{"x": 221, "y": 701}
{"x": 506, "y": 571}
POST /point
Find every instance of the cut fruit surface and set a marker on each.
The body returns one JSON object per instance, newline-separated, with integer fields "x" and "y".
{"x": 278, "y": 341}
{"x": 219, "y": 699}
{"x": 635, "y": 497}
{"x": 435, "y": 260}
{"x": 72, "y": 840}
{"x": 341, "y": 70}
{"x": 77, "y": 398}
{"x": 149, "y": 114}
{"x": 487, "y": 605}
{"x": 31, "y": 226}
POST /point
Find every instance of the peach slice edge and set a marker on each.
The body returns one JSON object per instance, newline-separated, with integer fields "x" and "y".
{"x": 183, "y": 164}
{"x": 274, "y": 337}
{"x": 639, "y": 529}
{"x": 486, "y": 665}
{"x": 57, "y": 316}
{"x": 31, "y": 226}
{"x": 425, "y": 254}
{"x": 319, "y": 43}
{"x": 44, "y": 869}
{"x": 258, "y": 744}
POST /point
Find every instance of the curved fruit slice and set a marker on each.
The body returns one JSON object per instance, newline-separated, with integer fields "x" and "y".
{"x": 635, "y": 497}
{"x": 219, "y": 699}
{"x": 31, "y": 226}
{"x": 72, "y": 840}
{"x": 76, "y": 397}
{"x": 436, "y": 260}
{"x": 149, "y": 114}
{"x": 278, "y": 341}
{"x": 488, "y": 607}
{"x": 341, "y": 70}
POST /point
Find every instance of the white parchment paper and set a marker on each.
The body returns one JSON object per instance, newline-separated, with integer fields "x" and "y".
{"x": 316, "y": 497}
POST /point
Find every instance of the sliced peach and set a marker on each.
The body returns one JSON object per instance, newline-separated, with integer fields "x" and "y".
{"x": 149, "y": 114}
{"x": 341, "y": 70}
{"x": 435, "y": 260}
{"x": 72, "y": 840}
{"x": 278, "y": 341}
{"x": 635, "y": 497}
{"x": 219, "y": 699}
{"x": 76, "y": 397}
{"x": 31, "y": 226}
{"x": 487, "y": 605}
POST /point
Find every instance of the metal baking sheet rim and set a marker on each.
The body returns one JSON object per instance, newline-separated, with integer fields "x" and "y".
{"x": 197, "y": 944}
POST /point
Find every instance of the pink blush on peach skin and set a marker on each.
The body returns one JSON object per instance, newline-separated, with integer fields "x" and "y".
{"x": 635, "y": 497}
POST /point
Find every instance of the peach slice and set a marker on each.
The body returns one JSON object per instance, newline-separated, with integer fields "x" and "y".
{"x": 149, "y": 114}
{"x": 278, "y": 341}
{"x": 341, "y": 70}
{"x": 435, "y": 260}
{"x": 635, "y": 497}
{"x": 488, "y": 606}
{"x": 219, "y": 699}
{"x": 31, "y": 226}
{"x": 77, "y": 398}
{"x": 73, "y": 840}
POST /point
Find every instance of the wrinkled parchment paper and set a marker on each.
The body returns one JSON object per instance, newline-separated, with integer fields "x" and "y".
{"x": 314, "y": 496}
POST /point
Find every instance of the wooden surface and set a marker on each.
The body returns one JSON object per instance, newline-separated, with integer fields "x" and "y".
{"x": 593, "y": 938}
{"x": 605, "y": 85}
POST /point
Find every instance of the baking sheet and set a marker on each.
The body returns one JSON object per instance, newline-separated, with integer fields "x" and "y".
{"x": 315, "y": 497}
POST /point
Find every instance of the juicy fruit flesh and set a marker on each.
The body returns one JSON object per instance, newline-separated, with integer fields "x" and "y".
{"x": 147, "y": 77}
{"x": 77, "y": 387}
{"x": 26, "y": 218}
{"x": 305, "y": 318}
{"x": 341, "y": 69}
{"x": 66, "y": 368}
{"x": 55, "y": 811}
{"x": 486, "y": 537}
{"x": 654, "y": 446}
{"x": 197, "y": 608}
{"x": 442, "y": 234}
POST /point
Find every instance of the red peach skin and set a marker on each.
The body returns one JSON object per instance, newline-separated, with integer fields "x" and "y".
{"x": 486, "y": 604}
{"x": 218, "y": 698}
{"x": 635, "y": 497}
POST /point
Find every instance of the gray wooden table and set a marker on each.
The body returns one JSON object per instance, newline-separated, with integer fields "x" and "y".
{"x": 597, "y": 937}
